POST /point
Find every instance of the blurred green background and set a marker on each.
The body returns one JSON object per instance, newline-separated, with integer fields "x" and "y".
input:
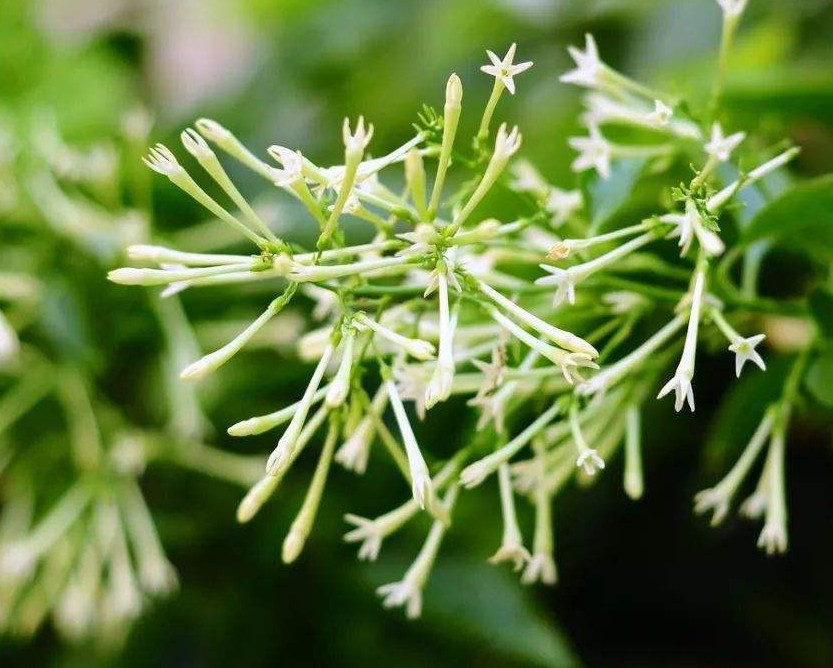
{"x": 642, "y": 584}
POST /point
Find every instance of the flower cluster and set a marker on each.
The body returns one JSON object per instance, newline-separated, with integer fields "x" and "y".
{"x": 78, "y": 543}
{"x": 422, "y": 297}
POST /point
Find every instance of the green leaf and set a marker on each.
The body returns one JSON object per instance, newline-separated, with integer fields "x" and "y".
{"x": 801, "y": 218}
{"x": 485, "y": 604}
{"x": 819, "y": 376}
{"x": 820, "y": 302}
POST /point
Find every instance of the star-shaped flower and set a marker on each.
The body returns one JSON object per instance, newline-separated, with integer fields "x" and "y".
{"x": 504, "y": 70}
{"x": 588, "y": 64}
{"x": 681, "y": 384}
{"x": 744, "y": 350}
{"x": 590, "y": 461}
{"x": 561, "y": 278}
{"x": 721, "y": 147}
{"x": 594, "y": 152}
{"x": 492, "y": 371}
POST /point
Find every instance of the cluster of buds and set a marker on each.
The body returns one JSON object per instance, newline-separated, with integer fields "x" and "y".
{"x": 441, "y": 302}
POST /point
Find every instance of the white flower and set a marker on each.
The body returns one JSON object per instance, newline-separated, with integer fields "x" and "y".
{"x": 588, "y": 64}
{"x": 412, "y": 382}
{"x": 732, "y": 8}
{"x": 715, "y": 499}
{"x": 594, "y": 152}
{"x": 292, "y": 163}
{"x": 407, "y": 593}
{"x": 744, "y": 350}
{"x": 720, "y": 147}
{"x": 681, "y": 382}
{"x": 541, "y": 568}
{"x": 690, "y": 226}
{"x": 564, "y": 282}
{"x": 163, "y": 161}
{"x": 661, "y": 115}
{"x": 773, "y": 537}
{"x": 562, "y": 204}
{"x": 681, "y": 385}
{"x": 439, "y": 387}
{"x": 356, "y": 142}
{"x": 504, "y": 70}
{"x": 588, "y": 458}
{"x": 590, "y": 461}
{"x": 512, "y": 550}
{"x": 421, "y": 485}
{"x": 506, "y": 143}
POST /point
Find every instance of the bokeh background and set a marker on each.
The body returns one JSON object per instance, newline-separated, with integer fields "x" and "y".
{"x": 641, "y": 584}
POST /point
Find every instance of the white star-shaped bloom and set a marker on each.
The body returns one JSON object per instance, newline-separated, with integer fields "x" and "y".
{"x": 594, "y": 152}
{"x": 561, "y": 278}
{"x": 504, "y": 70}
{"x": 721, "y": 147}
{"x": 406, "y": 593}
{"x": 369, "y": 532}
{"x": 588, "y": 64}
{"x": 715, "y": 499}
{"x": 681, "y": 384}
{"x": 744, "y": 350}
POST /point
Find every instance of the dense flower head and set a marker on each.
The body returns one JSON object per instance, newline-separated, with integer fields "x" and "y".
{"x": 446, "y": 301}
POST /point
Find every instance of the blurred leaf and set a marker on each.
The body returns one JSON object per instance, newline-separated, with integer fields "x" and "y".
{"x": 821, "y": 308}
{"x": 801, "y": 218}
{"x": 819, "y": 376}
{"x": 605, "y": 197}
{"x": 486, "y": 604}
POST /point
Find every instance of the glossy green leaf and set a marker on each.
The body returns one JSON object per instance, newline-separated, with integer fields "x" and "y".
{"x": 801, "y": 218}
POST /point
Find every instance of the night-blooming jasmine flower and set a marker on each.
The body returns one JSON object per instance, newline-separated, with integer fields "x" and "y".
{"x": 504, "y": 70}
{"x": 408, "y": 591}
{"x": 565, "y": 279}
{"x": 286, "y": 445}
{"x": 690, "y": 226}
{"x": 720, "y": 147}
{"x": 354, "y": 452}
{"x": 588, "y": 64}
{"x": 541, "y": 566}
{"x": 511, "y": 547}
{"x": 588, "y": 459}
{"x": 681, "y": 382}
{"x": 439, "y": 387}
{"x": 421, "y": 485}
{"x": 773, "y": 536}
{"x": 719, "y": 497}
{"x": 744, "y": 350}
{"x": 594, "y": 152}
